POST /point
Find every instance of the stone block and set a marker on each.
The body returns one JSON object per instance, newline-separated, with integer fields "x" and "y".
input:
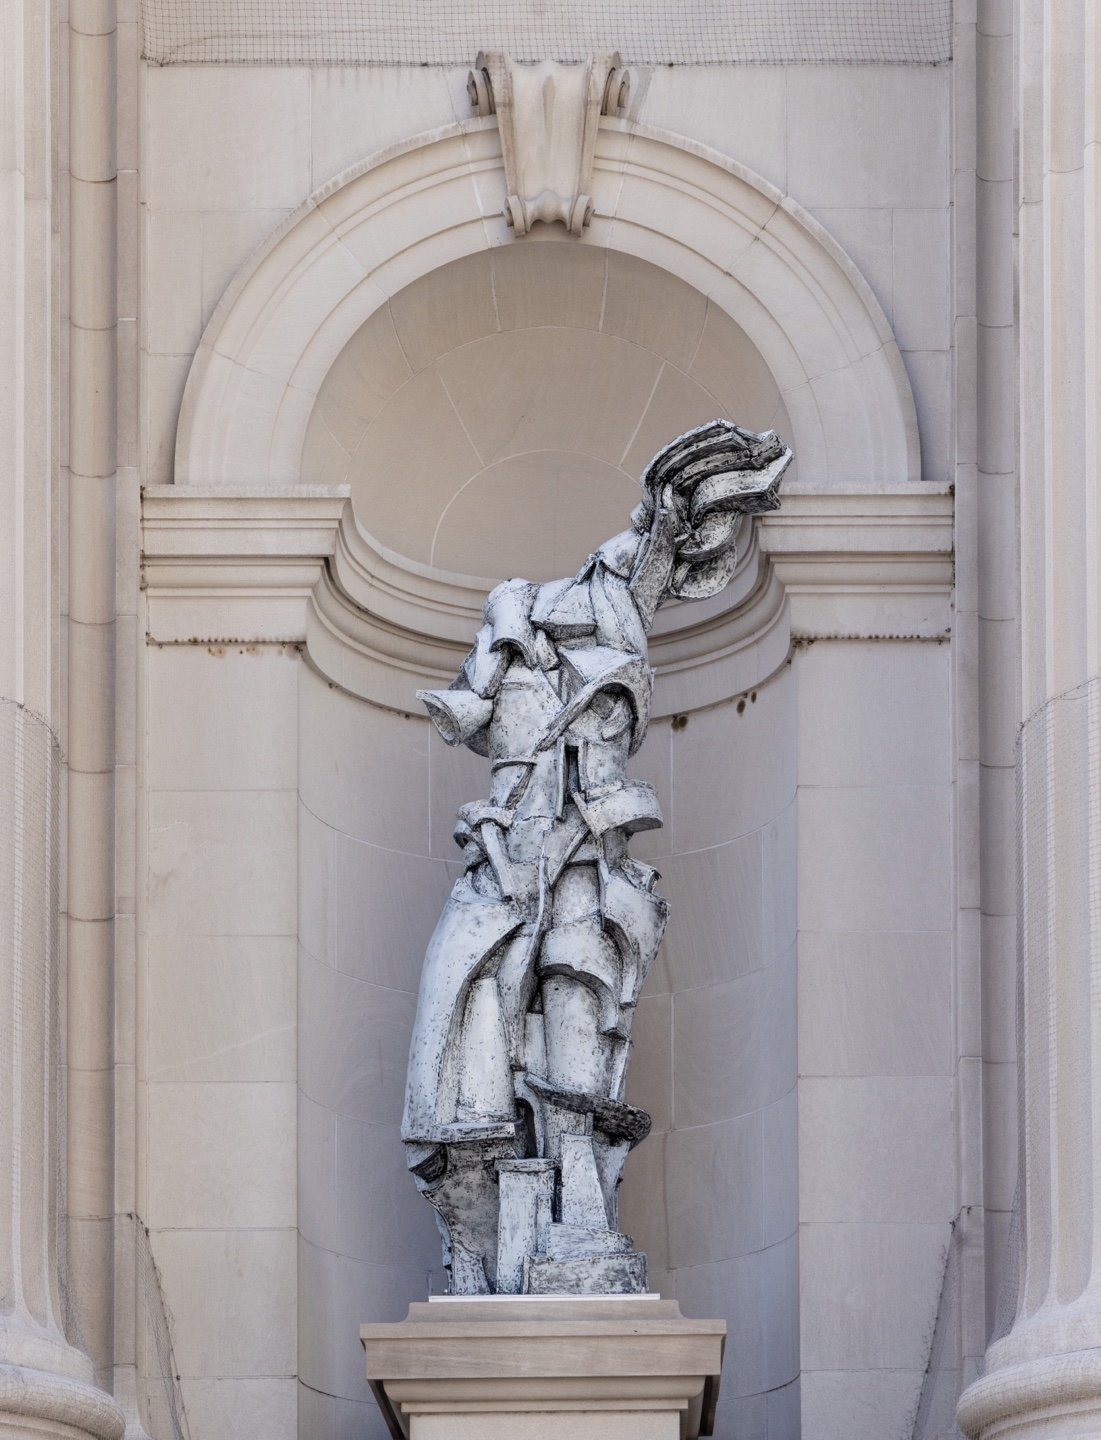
{"x": 163, "y": 378}
{"x": 369, "y": 370}
{"x": 193, "y": 690}
{"x": 220, "y": 1008}
{"x": 229, "y": 238}
{"x": 363, "y": 770}
{"x": 317, "y": 908}
{"x": 525, "y": 494}
{"x": 865, "y": 236}
{"x": 650, "y": 1073}
{"x": 719, "y": 932}
{"x": 601, "y": 387}
{"x": 885, "y": 141}
{"x": 780, "y": 1168}
{"x": 734, "y": 1045}
{"x": 921, "y": 260}
{"x": 375, "y": 1220}
{"x": 191, "y": 113}
{"x": 877, "y": 1003}
{"x": 873, "y": 1149}
{"x": 318, "y": 1217}
{"x": 744, "y": 101}
{"x": 353, "y": 1043}
{"x": 564, "y": 285}
{"x": 172, "y": 290}
{"x": 654, "y": 309}
{"x": 222, "y": 1155}
{"x": 333, "y": 1290}
{"x": 842, "y": 1405}
{"x": 358, "y": 110}
{"x": 643, "y": 1212}
{"x": 713, "y": 1191}
{"x": 588, "y": 1368}
{"x": 875, "y": 859}
{"x": 842, "y": 1267}
{"x": 382, "y": 936}
{"x": 930, "y": 373}
{"x": 232, "y": 1295}
{"x": 218, "y": 1407}
{"x": 873, "y": 712}
{"x": 447, "y": 308}
{"x": 338, "y": 1418}
{"x": 1000, "y": 1134}
{"x": 222, "y": 863}
{"x": 679, "y": 402}
{"x": 730, "y": 797}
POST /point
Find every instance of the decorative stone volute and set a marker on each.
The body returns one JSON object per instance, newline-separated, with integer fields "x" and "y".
{"x": 548, "y": 113}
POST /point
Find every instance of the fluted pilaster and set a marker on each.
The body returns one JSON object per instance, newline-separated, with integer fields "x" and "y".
{"x": 1043, "y": 1379}
{"x": 46, "y": 1384}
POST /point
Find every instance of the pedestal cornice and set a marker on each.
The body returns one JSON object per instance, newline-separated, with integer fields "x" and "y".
{"x": 588, "y": 1360}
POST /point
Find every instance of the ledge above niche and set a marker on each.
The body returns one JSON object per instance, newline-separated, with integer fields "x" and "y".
{"x": 289, "y": 565}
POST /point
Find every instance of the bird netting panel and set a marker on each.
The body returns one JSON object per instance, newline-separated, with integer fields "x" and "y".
{"x": 448, "y": 32}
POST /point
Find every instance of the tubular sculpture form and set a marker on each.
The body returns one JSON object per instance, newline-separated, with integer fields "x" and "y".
{"x": 515, "y": 1125}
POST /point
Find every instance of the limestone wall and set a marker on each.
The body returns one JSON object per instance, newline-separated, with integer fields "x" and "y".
{"x": 799, "y": 1043}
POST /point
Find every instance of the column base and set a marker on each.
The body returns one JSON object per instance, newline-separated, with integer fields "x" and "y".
{"x": 1057, "y": 1397}
{"x": 55, "y": 1407}
{"x": 546, "y": 1368}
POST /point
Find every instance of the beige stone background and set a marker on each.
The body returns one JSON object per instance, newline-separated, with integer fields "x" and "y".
{"x": 491, "y": 419}
{"x": 827, "y": 1041}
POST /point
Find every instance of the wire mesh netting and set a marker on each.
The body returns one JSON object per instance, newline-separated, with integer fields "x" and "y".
{"x": 935, "y": 1418}
{"x": 162, "y": 1408}
{"x": 449, "y": 32}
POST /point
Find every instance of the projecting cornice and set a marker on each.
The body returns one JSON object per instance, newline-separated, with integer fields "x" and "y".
{"x": 290, "y": 565}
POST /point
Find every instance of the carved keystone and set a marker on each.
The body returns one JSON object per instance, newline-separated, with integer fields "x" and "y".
{"x": 548, "y": 113}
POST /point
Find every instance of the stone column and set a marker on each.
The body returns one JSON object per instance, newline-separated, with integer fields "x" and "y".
{"x": 90, "y": 671}
{"x": 45, "y": 1383}
{"x": 1044, "y": 1377}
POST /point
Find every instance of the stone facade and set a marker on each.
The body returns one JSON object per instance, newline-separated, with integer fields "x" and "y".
{"x": 281, "y": 387}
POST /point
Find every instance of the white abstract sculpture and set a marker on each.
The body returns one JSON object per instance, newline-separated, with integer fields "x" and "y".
{"x": 515, "y": 1125}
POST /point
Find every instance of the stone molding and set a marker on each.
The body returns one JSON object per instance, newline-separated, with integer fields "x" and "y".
{"x": 234, "y": 564}
{"x": 1052, "y": 1395}
{"x": 591, "y": 1359}
{"x": 548, "y": 114}
{"x": 290, "y": 565}
{"x": 438, "y": 197}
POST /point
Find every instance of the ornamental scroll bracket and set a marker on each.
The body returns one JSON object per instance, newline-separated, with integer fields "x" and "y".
{"x": 548, "y": 113}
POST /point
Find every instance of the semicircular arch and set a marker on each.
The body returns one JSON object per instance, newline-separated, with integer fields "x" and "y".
{"x": 438, "y": 197}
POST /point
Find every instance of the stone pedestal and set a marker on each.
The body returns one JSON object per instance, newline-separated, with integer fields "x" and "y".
{"x": 546, "y": 1368}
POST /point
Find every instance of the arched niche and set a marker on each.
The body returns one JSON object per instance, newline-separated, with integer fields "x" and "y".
{"x": 499, "y": 411}
{"x": 490, "y": 404}
{"x": 403, "y": 214}
{"x": 492, "y": 418}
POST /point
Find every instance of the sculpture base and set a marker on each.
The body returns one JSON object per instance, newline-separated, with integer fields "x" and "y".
{"x": 546, "y": 1368}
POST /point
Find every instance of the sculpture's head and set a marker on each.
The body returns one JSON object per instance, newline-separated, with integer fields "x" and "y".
{"x": 703, "y": 482}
